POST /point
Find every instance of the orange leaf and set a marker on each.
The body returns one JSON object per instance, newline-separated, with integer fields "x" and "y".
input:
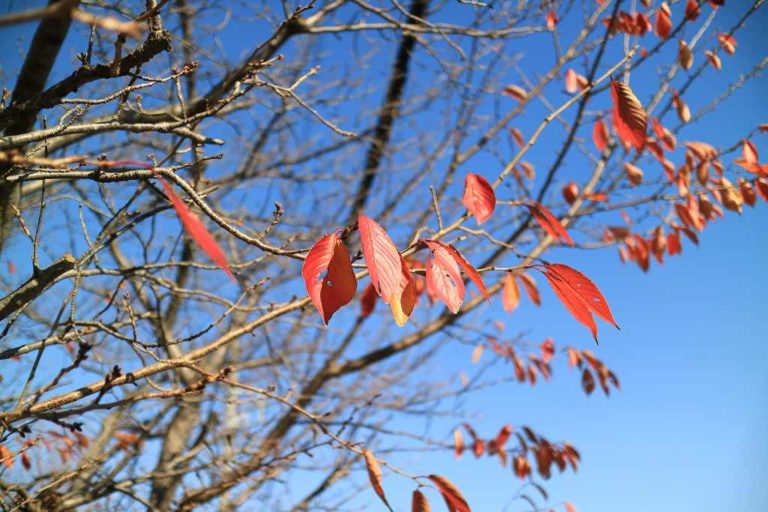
{"x": 579, "y": 295}
{"x": 510, "y": 295}
{"x": 453, "y": 498}
{"x": 478, "y": 198}
{"x": 549, "y": 222}
{"x": 516, "y": 92}
{"x": 684, "y": 55}
{"x": 634, "y": 174}
{"x": 600, "y": 135}
{"x": 749, "y": 152}
{"x": 517, "y": 135}
{"x": 458, "y": 443}
{"x": 628, "y": 115}
{"x": 551, "y": 20}
{"x": 337, "y": 287}
{"x": 374, "y": 475}
{"x": 420, "y": 503}
{"x": 569, "y": 507}
{"x": 574, "y": 81}
{"x": 727, "y": 43}
{"x": 197, "y": 230}
{"x": 714, "y": 60}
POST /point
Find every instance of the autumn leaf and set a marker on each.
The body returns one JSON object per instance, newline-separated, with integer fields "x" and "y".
{"x": 727, "y": 43}
{"x": 574, "y": 82}
{"x": 452, "y": 496}
{"x": 368, "y": 300}
{"x": 547, "y": 350}
{"x": 479, "y": 197}
{"x": 579, "y": 295}
{"x": 692, "y": 10}
{"x": 515, "y": 91}
{"x": 389, "y": 272}
{"x": 374, "y": 475}
{"x": 600, "y": 135}
{"x": 549, "y": 222}
{"x": 628, "y": 115}
{"x": 663, "y": 21}
{"x": 569, "y": 507}
{"x": 634, "y": 173}
{"x": 197, "y": 230}
{"x": 444, "y": 278}
{"x": 570, "y": 192}
{"x": 510, "y": 295}
{"x": 328, "y": 276}
{"x": 420, "y": 503}
{"x": 714, "y": 60}
{"x": 465, "y": 266}
{"x": 551, "y": 20}
{"x": 458, "y": 443}
{"x": 530, "y": 288}
{"x": 684, "y": 55}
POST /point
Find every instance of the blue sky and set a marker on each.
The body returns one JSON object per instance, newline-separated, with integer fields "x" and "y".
{"x": 688, "y": 429}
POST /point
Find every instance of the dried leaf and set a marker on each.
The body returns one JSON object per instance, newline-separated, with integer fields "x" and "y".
{"x": 628, "y": 115}
{"x": 516, "y": 92}
{"x": 600, "y": 135}
{"x": 510, "y": 295}
{"x": 374, "y": 475}
{"x": 420, "y": 503}
{"x": 663, "y": 21}
{"x": 452, "y": 496}
{"x": 684, "y": 55}
{"x": 530, "y": 288}
{"x": 634, "y": 174}
{"x": 692, "y": 10}
{"x": 727, "y": 43}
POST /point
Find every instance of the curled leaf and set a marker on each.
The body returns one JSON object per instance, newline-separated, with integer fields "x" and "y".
{"x": 374, "y": 475}
{"x": 328, "y": 276}
{"x": 628, "y": 115}
{"x": 451, "y": 494}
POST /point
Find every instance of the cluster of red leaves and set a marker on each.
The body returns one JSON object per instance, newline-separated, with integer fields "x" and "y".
{"x": 545, "y": 452}
{"x": 66, "y": 445}
{"x": 697, "y": 209}
{"x": 590, "y": 367}
{"x": 536, "y": 365}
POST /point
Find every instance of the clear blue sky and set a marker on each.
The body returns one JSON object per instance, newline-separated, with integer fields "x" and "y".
{"x": 689, "y": 429}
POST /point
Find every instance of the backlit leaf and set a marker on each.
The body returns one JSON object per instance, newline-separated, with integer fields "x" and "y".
{"x": 479, "y": 197}
{"x": 510, "y": 295}
{"x": 328, "y": 276}
{"x": 600, "y": 135}
{"x": 420, "y": 503}
{"x": 452, "y": 496}
{"x": 549, "y": 222}
{"x": 374, "y": 475}
{"x": 197, "y": 230}
{"x": 628, "y": 115}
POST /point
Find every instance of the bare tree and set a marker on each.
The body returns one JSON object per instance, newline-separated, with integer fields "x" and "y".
{"x": 138, "y": 375}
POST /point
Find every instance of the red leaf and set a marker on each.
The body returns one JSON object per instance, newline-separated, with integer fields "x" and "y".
{"x": 628, "y": 115}
{"x": 551, "y": 20}
{"x": 479, "y": 198}
{"x": 374, "y": 475}
{"x": 389, "y": 272}
{"x": 570, "y": 192}
{"x": 663, "y": 21}
{"x": 569, "y": 507}
{"x": 579, "y": 295}
{"x": 367, "y": 301}
{"x": 197, "y": 230}
{"x": 749, "y": 152}
{"x": 453, "y": 498}
{"x": 547, "y": 350}
{"x": 510, "y": 295}
{"x": 420, "y": 503}
{"x": 503, "y": 436}
{"x": 444, "y": 278}
{"x": 692, "y": 10}
{"x": 517, "y": 135}
{"x": 549, "y": 222}
{"x": 337, "y": 286}
{"x": 530, "y": 288}
{"x": 600, "y": 135}
{"x": 468, "y": 269}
